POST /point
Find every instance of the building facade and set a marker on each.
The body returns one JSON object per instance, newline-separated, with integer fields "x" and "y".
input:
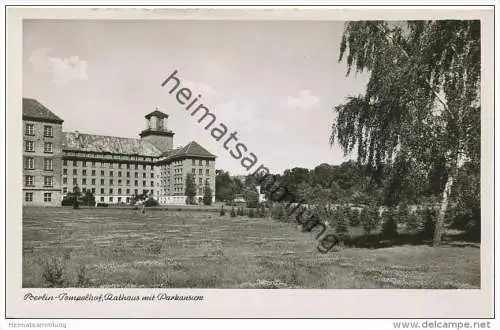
{"x": 113, "y": 168}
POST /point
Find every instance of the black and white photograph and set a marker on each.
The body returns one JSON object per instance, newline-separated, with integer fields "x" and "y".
{"x": 250, "y": 154}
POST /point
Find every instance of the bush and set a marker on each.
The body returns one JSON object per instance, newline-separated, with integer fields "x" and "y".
{"x": 240, "y": 211}
{"x": 278, "y": 212}
{"x": 369, "y": 218}
{"x": 390, "y": 225}
{"x": 53, "y": 272}
{"x": 353, "y": 217}
{"x": 151, "y": 202}
{"x": 222, "y": 211}
{"x": 102, "y": 205}
{"x": 413, "y": 223}
{"x": 251, "y": 213}
{"x": 233, "y": 212}
{"x": 207, "y": 195}
{"x": 341, "y": 228}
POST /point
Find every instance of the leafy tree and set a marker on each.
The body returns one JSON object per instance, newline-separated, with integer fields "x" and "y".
{"x": 88, "y": 198}
{"x": 341, "y": 226}
{"x": 233, "y": 212}
{"x": 190, "y": 191}
{"x": 422, "y": 99}
{"x": 151, "y": 202}
{"x": 76, "y": 197}
{"x": 207, "y": 195}
{"x": 252, "y": 197}
{"x": 223, "y": 186}
{"x": 390, "y": 225}
{"x": 370, "y": 218}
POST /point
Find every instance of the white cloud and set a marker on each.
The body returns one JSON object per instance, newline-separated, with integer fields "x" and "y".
{"x": 305, "y": 100}
{"x": 62, "y": 69}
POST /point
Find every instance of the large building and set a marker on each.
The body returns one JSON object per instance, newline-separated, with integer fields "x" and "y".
{"x": 113, "y": 168}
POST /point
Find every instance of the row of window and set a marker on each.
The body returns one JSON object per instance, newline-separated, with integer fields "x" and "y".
{"x": 200, "y": 162}
{"x": 101, "y": 164}
{"x": 47, "y": 197}
{"x": 200, "y": 171}
{"x": 111, "y": 191}
{"x": 111, "y": 173}
{"x": 48, "y": 131}
{"x": 29, "y": 181}
{"x": 110, "y": 156}
{"x": 29, "y": 146}
{"x": 29, "y": 163}
{"x": 111, "y": 182}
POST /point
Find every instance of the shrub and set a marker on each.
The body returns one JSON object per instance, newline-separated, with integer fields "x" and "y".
{"x": 369, "y": 218}
{"x": 102, "y": 205}
{"x": 413, "y": 223}
{"x": 278, "y": 212}
{"x": 390, "y": 225}
{"x": 261, "y": 211}
{"x": 222, "y": 211}
{"x": 53, "y": 272}
{"x": 341, "y": 228}
{"x": 251, "y": 213}
{"x": 233, "y": 212}
{"x": 207, "y": 195}
{"x": 240, "y": 211}
{"x": 151, "y": 202}
{"x": 353, "y": 216}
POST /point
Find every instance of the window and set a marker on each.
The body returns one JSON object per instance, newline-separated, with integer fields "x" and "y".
{"x": 29, "y": 146}
{"x": 93, "y": 164}
{"x": 119, "y": 182}
{"x": 128, "y": 174}
{"x": 136, "y": 166}
{"x": 194, "y": 162}
{"x": 102, "y": 190}
{"x": 111, "y": 199}
{"x": 193, "y": 171}
{"x": 84, "y": 181}
{"x": 119, "y": 173}
{"x": 135, "y": 183}
{"x": 110, "y": 165}
{"x": 200, "y": 181}
{"x": 84, "y": 163}
{"x": 200, "y": 162}
{"x": 200, "y": 171}
{"x": 93, "y": 172}
{"x": 110, "y": 190}
{"x": 143, "y": 183}
{"x": 152, "y": 191}
{"x": 93, "y": 181}
{"x": 65, "y": 190}
{"x": 84, "y": 190}
{"x": 128, "y": 182}
{"x": 47, "y": 164}
{"x": 47, "y": 181}
{"x": 102, "y": 173}
{"x": 74, "y": 182}
{"x": 102, "y": 181}
{"x": 65, "y": 162}
{"x": 119, "y": 165}
{"x": 207, "y": 162}
{"x": 110, "y": 173}
{"x": 128, "y": 191}
{"x": 207, "y": 182}
{"x": 143, "y": 175}
{"x": 47, "y": 197}
{"x": 136, "y": 191}
{"x": 93, "y": 190}
{"x": 65, "y": 171}
{"x": 102, "y": 199}
{"x": 74, "y": 163}
{"x": 47, "y": 147}
{"x": 48, "y": 131}
{"x": 152, "y": 183}
{"x": 151, "y": 165}
{"x": 119, "y": 191}
{"x": 207, "y": 172}
{"x": 28, "y": 180}
{"x": 136, "y": 174}
{"x": 75, "y": 171}
{"x": 143, "y": 167}
{"x": 29, "y": 129}
{"x": 110, "y": 181}
{"x": 119, "y": 199}
{"x": 128, "y": 166}
{"x": 29, "y": 163}
{"x": 65, "y": 180}
{"x": 152, "y": 175}
{"x": 84, "y": 172}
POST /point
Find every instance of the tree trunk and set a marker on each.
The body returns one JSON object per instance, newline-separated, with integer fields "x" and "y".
{"x": 438, "y": 228}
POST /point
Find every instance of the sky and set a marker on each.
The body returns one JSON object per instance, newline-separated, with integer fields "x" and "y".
{"x": 274, "y": 82}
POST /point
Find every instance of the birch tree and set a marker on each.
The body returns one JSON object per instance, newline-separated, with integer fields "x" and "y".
{"x": 421, "y": 101}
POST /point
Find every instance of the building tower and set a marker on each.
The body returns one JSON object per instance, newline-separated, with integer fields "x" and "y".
{"x": 157, "y": 132}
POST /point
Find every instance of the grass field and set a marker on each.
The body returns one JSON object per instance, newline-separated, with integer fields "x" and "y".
{"x": 185, "y": 249}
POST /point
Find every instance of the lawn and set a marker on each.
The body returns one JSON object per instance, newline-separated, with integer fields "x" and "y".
{"x": 187, "y": 249}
